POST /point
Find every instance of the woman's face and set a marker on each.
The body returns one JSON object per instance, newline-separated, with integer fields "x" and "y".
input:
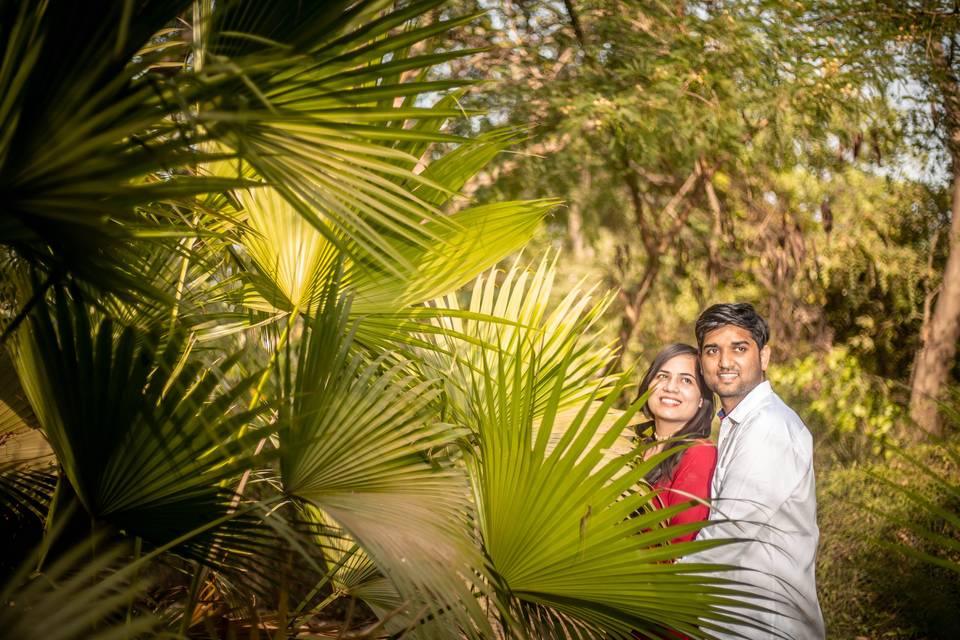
{"x": 676, "y": 394}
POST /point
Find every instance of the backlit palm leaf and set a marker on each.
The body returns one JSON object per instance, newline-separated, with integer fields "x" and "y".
{"x": 516, "y": 308}
{"x": 571, "y": 528}
{"x": 293, "y": 257}
{"x": 357, "y": 440}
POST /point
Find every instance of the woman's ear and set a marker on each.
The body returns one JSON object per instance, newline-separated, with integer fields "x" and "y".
{"x": 701, "y": 403}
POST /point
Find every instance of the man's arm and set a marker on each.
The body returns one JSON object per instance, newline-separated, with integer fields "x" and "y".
{"x": 766, "y": 468}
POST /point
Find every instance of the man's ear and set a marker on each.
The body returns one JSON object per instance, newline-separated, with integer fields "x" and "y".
{"x": 764, "y": 357}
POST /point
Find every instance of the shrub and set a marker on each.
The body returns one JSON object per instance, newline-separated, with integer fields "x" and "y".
{"x": 850, "y": 412}
{"x": 868, "y": 589}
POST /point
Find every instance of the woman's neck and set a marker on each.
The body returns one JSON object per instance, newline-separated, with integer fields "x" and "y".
{"x": 664, "y": 430}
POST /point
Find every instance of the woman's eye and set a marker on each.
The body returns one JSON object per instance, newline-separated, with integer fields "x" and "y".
{"x": 661, "y": 376}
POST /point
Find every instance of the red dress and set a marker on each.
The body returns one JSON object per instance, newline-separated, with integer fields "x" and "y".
{"x": 691, "y": 477}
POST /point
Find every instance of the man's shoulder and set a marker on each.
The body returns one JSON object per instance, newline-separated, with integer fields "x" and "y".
{"x": 776, "y": 416}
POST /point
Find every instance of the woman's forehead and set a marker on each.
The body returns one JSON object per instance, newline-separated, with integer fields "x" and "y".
{"x": 683, "y": 363}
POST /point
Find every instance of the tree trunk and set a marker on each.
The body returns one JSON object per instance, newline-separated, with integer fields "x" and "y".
{"x": 939, "y": 337}
{"x": 578, "y": 244}
{"x": 939, "y": 347}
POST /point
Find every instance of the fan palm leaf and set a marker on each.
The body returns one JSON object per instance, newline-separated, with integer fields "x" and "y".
{"x": 144, "y": 434}
{"x": 572, "y": 528}
{"x": 104, "y": 136}
{"x": 517, "y": 307}
{"x": 357, "y": 445}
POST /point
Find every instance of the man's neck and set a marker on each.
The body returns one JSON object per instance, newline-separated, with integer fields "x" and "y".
{"x": 729, "y": 404}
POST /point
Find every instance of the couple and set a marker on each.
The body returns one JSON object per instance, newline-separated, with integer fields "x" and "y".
{"x": 760, "y": 474}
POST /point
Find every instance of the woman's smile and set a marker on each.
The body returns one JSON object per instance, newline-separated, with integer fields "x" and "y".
{"x": 676, "y": 395}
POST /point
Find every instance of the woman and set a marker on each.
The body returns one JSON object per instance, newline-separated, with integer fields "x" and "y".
{"x": 681, "y": 408}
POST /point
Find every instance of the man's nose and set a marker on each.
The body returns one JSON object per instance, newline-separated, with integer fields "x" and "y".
{"x": 724, "y": 360}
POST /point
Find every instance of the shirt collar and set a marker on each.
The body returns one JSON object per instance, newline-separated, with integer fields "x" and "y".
{"x": 757, "y": 395}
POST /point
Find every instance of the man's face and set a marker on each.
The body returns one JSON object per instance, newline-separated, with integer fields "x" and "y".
{"x": 732, "y": 364}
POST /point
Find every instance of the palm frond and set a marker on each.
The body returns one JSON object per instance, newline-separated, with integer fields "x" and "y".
{"x": 574, "y": 529}
{"x": 356, "y": 444}
{"x": 79, "y": 596}
{"x": 516, "y": 308}
{"x": 144, "y": 433}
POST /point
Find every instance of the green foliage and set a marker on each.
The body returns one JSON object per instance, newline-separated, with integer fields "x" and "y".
{"x": 81, "y": 596}
{"x": 220, "y": 231}
{"x": 356, "y": 444}
{"x": 852, "y": 414}
{"x": 868, "y": 587}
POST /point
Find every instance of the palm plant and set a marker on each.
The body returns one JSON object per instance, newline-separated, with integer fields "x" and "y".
{"x": 144, "y": 434}
{"x": 573, "y": 543}
{"x": 176, "y": 142}
{"x": 222, "y": 225}
{"x": 358, "y": 433}
{"x": 76, "y": 597}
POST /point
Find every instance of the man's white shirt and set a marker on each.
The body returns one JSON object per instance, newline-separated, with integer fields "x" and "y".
{"x": 764, "y": 481}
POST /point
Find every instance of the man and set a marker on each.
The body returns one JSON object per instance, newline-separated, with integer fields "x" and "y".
{"x": 763, "y": 487}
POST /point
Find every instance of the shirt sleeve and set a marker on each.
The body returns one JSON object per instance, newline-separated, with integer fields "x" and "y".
{"x": 766, "y": 468}
{"x": 691, "y": 479}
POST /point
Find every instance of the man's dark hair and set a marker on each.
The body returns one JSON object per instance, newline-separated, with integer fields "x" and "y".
{"x": 739, "y": 314}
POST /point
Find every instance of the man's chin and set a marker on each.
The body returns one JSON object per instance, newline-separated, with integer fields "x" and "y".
{"x": 730, "y": 393}
{"x": 739, "y": 390}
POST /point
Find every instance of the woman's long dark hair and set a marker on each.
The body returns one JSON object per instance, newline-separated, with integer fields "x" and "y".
{"x": 699, "y": 425}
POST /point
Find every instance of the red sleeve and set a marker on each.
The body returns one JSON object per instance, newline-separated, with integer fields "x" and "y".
{"x": 692, "y": 477}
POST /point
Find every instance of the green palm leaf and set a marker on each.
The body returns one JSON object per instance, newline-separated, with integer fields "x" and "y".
{"x": 513, "y": 308}
{"x": 144, "y": 433}
{"x": 357, "y": 445}
{"x": 78, "y": 596}
{"x": 572, "y": 528}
